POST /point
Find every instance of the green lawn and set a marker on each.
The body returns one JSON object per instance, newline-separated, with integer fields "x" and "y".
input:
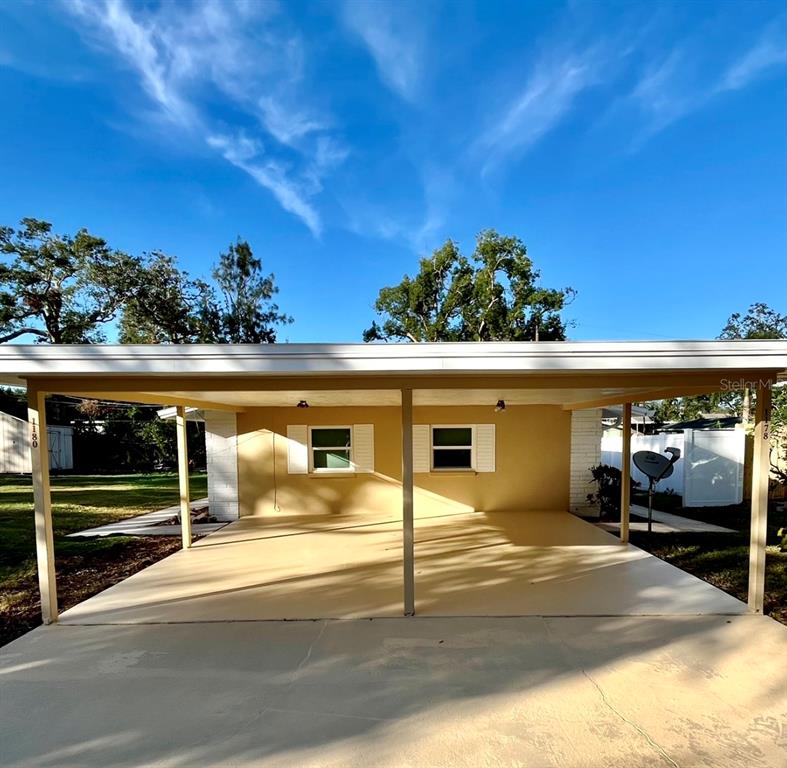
{"x": 85, "y": 566}
{"x": 723, "y": 558}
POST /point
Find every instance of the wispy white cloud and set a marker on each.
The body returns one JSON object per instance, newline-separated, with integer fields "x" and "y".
{"x": 421, "y": 229}
{"x": 391, "y": 35}
{"x": 681, "y": 83}
{"x": 247, "y": 154}
{"x": 769, "y": 52}
{"x": 135, "y": 41}
{"x": 183, "y": 54}
{"x": 665, "y": 94}
{"x": 287, "y": 124}
{"x": 549, "y": 94}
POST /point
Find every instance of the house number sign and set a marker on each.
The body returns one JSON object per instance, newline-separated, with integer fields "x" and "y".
{"x": 33, "y": 434}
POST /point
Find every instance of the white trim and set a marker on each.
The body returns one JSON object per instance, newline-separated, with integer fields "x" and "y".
{"x": 331, "y": 470}
{"x": 18, "y": 361}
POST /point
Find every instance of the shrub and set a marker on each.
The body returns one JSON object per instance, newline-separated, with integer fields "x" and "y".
{"x": 607, "y": 496}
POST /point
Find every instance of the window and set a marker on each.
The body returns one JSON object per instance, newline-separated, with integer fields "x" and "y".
{"x": 330, "y": 449}
{"x": 452, "y": 447}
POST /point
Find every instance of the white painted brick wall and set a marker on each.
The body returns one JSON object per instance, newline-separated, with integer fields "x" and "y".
{"x": 586, "y": 432}
{"x": 221, "y": 455}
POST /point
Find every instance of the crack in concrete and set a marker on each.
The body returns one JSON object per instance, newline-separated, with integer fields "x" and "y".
{"x": 305, "y": 660}
{"x": 271, "y": 707}
{"x": 642, "y": 732}
{"x": 569, "y": 656}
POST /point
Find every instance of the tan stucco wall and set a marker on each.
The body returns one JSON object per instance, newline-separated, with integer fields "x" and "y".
{"x": 532, "y": 464}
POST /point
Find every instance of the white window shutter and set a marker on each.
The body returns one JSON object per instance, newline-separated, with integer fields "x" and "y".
{"x": 485, "y": 448}
{"x": 363, "y": 447}
{"x": 421, "y": 448}
{"x": 297, "y": 449}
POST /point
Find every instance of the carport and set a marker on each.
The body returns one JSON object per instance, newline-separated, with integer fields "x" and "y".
{"x": 422, "y": 549}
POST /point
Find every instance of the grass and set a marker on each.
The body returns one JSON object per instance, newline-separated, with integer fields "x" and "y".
{"x": 722, "y": 559}
{"x": 84, "y": 566}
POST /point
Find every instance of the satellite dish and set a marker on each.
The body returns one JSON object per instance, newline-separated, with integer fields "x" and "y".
{"x": 656, "y": 467}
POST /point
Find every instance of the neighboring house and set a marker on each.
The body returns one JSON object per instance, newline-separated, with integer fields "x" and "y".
{"x": 15, "y": 445}
{"x": 641, "y": 418}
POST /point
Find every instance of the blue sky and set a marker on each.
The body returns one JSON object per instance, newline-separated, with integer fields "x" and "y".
{"x": 639, "y": 150}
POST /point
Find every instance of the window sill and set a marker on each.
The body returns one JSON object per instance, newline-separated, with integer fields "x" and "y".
{"x": 321, "y": 475}
{"x": 453, "y": 472}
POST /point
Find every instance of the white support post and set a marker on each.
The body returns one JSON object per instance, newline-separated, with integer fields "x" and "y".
{"x": 42, "y": 501}
{"x": 625, "y": 475}
{"x": 183, "y": 476}
{"x": 407, "y": 502}
{"x": 759, "y": 497}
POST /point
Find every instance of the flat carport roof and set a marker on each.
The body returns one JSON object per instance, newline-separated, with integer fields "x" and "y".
{"x": 232, "y": 377}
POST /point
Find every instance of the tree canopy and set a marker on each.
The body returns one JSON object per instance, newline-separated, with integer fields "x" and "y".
{"x": 166, "y": 308}
{"x": 492, "y": 296}
{"x": 170, "y": 307}
{"x": 759, "y": 322}
{"x": 58, "y": 288}
{"x": 246, "y": 312}
{"x": 64, "y": 289}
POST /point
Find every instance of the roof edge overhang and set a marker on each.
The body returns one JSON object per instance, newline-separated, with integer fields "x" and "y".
{"x": 21, "y": 362}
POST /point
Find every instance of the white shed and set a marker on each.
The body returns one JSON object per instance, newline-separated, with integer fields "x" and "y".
{"x": 15, "y": 446}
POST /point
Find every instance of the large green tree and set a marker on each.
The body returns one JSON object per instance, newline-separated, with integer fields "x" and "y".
{"x": 245, "y": 312}
{"x": 168, "y": 307}
{"x": 60, "y": 288}
{"x": 492, "y": 296}
{"x": 171, "y": 307}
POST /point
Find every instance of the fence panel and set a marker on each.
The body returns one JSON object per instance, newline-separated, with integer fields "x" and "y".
{"x": 714, "y": 467}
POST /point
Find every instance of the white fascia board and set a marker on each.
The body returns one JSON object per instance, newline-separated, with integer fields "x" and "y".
{"x": 20, "y": 361}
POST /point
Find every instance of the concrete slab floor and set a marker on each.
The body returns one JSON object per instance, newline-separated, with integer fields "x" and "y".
{"x": 471, "y": 564}
{"x": 538, "y": 692}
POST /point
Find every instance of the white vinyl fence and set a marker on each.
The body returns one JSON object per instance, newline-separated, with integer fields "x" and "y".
{"x": 710, "y": 470}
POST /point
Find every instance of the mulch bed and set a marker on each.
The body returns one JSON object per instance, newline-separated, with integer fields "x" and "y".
{"x": 78, "y": 578}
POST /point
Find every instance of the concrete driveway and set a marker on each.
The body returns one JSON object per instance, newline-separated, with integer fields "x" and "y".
{"x": 591, "y": 692}
{"x": 607, "y": 660}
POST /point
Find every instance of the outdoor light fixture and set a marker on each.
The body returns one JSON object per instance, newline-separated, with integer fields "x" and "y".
{"x": 501, "y": 406}
{"x": 302, "y": 404}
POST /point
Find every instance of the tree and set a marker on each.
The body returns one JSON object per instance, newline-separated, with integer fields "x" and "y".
{"x": 682, "y": 408}
{"x": 57, "y": 288}
{"x": 759, "y": 322}
{"x": 168, "y": 307}
{"x": 245, "y": 312}
{"x": 493, "y": 296}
